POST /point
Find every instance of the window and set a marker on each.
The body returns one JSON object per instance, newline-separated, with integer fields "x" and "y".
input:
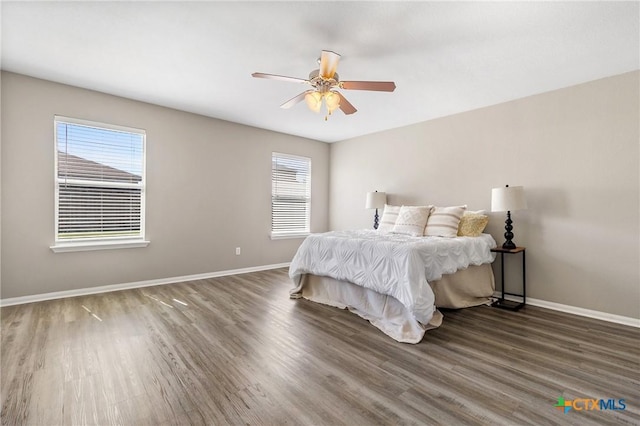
{"x": 290, "y": 195}
{"x": 100, "y": 185}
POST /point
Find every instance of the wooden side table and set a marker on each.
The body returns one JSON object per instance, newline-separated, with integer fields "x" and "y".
{"x": 502, "y": 302}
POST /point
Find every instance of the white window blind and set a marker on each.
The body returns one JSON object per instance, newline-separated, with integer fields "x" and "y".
{"x": 290, "y": 195}
{"x": 100, "y": 181}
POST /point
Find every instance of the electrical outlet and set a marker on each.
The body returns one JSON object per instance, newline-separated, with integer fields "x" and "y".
{"x": 237, "y": 251}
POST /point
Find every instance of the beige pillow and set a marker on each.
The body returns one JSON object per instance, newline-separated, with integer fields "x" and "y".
{"x": 412, "y": 220}
{"x": 444, "y": 221}
{"x": 472, "y": 225}
{"x": 389, "y": 217}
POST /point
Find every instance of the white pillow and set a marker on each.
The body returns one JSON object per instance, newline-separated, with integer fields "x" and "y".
{"x": 389, "y": 216}
{"x": 412, "y": 220}
{"x": 444, "y": 221}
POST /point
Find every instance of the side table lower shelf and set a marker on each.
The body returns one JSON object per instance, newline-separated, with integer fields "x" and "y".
{"x": 502, "y": 302}
{"x": 512, "y": 305}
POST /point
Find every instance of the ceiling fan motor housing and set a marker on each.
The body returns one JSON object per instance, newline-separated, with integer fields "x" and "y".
{"x": 323, "y": 84}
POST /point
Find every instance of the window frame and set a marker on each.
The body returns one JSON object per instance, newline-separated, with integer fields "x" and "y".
{"x": 101, "y": 242}
{"x": 277, "y": 235}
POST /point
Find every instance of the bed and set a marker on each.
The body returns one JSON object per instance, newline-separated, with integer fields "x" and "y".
{"x": 395, "y": 281}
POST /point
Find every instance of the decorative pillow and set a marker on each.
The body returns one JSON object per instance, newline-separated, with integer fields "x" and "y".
{"x": 389, "y": 216}
{"x": 472, "y": 225}
{"x": 444, "y": 221}
{"x": 412, "y": 220}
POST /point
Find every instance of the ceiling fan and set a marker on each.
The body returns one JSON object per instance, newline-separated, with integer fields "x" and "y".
{"x": 324, "y": 81}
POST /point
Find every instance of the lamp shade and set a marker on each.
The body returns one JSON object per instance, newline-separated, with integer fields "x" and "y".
{"x": 509, "y": 198}
{"x": 376, "y": 200}
{"x": 314, "y": 101}
{"x": 332, "y": 99}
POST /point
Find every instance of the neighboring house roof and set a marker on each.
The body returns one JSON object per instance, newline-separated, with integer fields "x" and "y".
{"x": 74, "y": 167}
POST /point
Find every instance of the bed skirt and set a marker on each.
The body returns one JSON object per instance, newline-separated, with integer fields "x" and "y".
{"x": 468, "y": 287}
{"x": 473, "y": 286}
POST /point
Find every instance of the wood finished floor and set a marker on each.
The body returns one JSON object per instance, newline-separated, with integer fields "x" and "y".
{"x": 237, "y": 350}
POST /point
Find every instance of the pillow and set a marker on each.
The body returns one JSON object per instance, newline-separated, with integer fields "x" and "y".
{"x": 472, "y": 225}
{"x": 444, "y": 221}
{"x": 412, "y": 220}
{"x": 389, "y": 216}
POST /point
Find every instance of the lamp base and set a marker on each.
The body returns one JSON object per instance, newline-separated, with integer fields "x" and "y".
{"x": 376, "y": 220}
{"x": 509, "y": 245}
{"x": 508, "y": 235}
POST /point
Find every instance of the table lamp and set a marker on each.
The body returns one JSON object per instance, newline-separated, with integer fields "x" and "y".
{"x": 509, "y": 198}
{"x": 376, "y": 200}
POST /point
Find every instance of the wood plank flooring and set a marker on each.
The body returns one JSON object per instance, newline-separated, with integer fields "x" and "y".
{"x": 237, "y": 350}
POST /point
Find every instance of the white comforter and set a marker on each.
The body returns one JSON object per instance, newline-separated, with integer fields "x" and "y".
{"x": 393, "y": 264}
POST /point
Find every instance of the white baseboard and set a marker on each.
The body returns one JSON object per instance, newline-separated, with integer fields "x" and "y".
{"x": 618, "y": 319}
{"x": 115, "y": 287}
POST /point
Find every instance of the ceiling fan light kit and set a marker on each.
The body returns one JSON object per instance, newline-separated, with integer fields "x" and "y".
{"x": 324, "y": 81}
{"x": 314, "y": 100}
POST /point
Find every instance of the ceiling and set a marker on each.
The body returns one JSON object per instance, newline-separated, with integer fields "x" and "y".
{"x": 445, "y": 57}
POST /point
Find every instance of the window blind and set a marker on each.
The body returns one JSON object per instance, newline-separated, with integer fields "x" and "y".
{"x": 290, "y": 195}
{"x": 99, "y": 181}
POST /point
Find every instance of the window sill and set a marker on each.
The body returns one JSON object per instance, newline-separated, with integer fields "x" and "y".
{"x": 97, "y": 245}
{"x": 289, "y": 236}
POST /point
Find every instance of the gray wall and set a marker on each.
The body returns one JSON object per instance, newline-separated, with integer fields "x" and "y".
{"x": 208, "y": 191}
{"x": 576, "y": 152}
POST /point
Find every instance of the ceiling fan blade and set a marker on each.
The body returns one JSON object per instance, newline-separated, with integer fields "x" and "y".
{"x": 279, "y": 77}
{"x": 328, "y": 63}
{"x": 291, "y": 102}
{"x": 380, "y": 86}
{"x": 346, "y": 106}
